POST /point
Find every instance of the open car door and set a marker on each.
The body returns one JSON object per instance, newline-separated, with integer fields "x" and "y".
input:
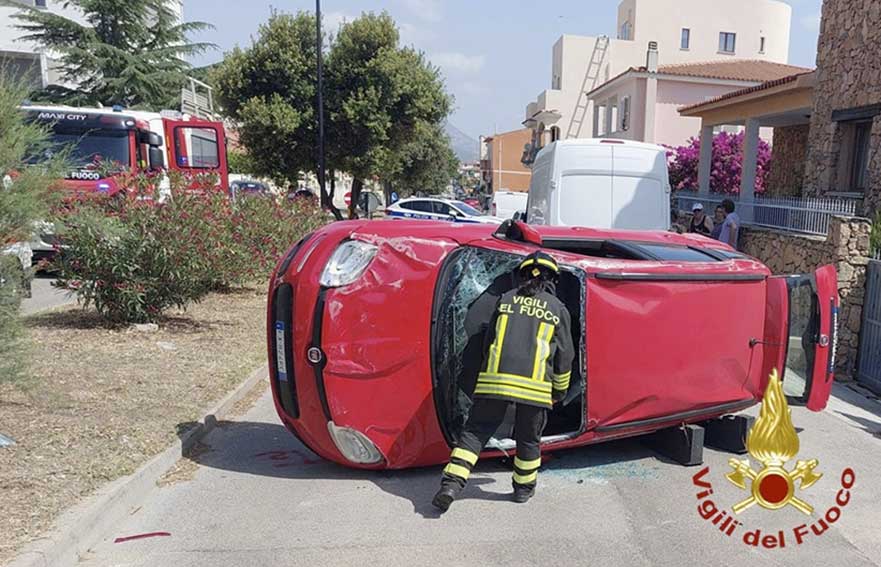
{"x": 801, "y": 326}
{"x": 196, "y": 148}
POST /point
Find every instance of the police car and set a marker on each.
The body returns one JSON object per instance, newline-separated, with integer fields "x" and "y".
{"x": 438, "y": 209}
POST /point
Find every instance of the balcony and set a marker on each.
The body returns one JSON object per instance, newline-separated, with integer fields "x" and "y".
{"x": 547, "y": 109}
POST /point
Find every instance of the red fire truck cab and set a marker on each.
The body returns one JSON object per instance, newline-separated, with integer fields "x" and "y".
{"x": 105, "y": 143}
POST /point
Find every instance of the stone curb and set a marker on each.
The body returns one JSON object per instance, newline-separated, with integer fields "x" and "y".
{"x": 82, "y": 526}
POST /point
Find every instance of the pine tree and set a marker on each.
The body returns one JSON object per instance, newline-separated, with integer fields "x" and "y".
{"x": 128, "y": 53}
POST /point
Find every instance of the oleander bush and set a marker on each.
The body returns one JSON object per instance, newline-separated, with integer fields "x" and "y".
{"x": 134, "y": 259}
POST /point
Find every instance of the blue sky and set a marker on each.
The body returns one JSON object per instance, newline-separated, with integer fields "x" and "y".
{"x": 495, "y": 54}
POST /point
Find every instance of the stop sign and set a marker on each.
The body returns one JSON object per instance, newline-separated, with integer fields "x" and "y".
{"x": 348, "y": 198}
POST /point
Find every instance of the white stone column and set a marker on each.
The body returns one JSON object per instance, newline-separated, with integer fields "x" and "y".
{"x": 750, "y": 160}
{"x": 596, "y": 120}
{"x": 706, "y": 159}
{"x": 609, "y": 127}
{"x": 651, "y": 101}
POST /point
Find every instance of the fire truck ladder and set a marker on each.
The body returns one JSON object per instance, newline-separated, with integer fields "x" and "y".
{"x": 197, "y": 99}
{"x": 591, "y": 76}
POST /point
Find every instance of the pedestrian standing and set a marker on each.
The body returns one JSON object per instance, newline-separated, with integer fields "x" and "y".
{"x": 700, "y": 223}
{"x": 528, "y": 363}
{"x": 731, "y": 225}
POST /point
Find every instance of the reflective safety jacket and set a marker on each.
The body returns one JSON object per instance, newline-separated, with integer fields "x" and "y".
{"x": 530, "y": 353}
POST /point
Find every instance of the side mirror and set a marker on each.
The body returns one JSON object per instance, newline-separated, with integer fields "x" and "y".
{"x": 150, "y": 138}
{"x": 455, "y": 214}
{"x": 157, "y": 158}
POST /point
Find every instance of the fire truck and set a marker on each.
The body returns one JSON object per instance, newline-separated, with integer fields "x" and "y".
{"x": 106, "y": 143}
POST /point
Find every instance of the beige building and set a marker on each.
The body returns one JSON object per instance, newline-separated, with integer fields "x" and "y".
{"x": 501, "y": 165}
{"x": 681, "y": 31}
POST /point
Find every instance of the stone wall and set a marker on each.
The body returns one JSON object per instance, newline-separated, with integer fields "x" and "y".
{"x": 847, "y": 247}
{"x": 848, "y": 76}
{"x": 788, "y": 161}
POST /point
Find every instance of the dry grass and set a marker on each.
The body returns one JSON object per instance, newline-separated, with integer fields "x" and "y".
{"x": 186, "y": 467}
{"x": 101, "y": 401}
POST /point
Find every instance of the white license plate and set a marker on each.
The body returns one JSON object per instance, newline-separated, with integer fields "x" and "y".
{"x": 281, "y": 363}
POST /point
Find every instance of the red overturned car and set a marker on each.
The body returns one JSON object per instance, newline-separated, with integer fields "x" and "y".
{"x": 375, "y": 334}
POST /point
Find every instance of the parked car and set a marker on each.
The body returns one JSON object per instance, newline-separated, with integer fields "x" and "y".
{"x": 506, "y": 203}
{"x": 428, "y": 208}
{"x": 473, "y": 202}
{"x": 301, "y": 193}
{"x": 248, "y": 188}
{"x": 364, "y": 385}
{"x": 598, "y": 183}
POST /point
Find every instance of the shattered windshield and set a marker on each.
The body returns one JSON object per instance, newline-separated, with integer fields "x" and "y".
{"x": 477, "y": 278}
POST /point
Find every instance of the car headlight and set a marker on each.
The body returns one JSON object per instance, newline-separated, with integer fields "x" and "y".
{"x": 354, "y": 445}
{"x": 347, "y": 263}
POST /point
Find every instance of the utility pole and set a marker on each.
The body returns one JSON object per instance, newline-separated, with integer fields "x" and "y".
{"x": 320, "y": 45}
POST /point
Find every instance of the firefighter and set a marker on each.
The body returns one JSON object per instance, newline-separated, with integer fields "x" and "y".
{"x": 528, "y": 362}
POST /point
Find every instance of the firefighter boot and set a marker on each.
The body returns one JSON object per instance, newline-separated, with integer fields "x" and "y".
{"x": 445, "y": 496}
{"x": 523, "y": 493}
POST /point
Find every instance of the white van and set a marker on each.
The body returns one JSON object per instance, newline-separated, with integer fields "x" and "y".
{"x": 506, "y": 203}
{"x": 600, "y": 183}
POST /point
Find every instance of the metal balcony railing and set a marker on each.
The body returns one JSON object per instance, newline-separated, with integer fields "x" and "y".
{"x": 197, "y": 99}
{"x": 808, "y": 215}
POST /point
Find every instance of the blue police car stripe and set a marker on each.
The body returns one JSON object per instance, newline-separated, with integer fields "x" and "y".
{"x": 414, "y": 215}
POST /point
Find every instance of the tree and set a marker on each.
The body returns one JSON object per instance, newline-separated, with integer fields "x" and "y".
{"x": 128, "y": 53}
{"x": 428, "y": 163}
{"x": 269, "y": 90}
{"x": 27, "y": 176}
{"x": 24, "y": 199}
{"x": 381, "y": 100}
{"x": 726, "y": 166}
{"x": 239, "y": 161}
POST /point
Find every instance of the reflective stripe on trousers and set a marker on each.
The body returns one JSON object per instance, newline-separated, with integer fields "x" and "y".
{"x": 486, "y": 417}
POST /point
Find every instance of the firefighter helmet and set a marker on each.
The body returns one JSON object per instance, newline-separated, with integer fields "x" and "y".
{"x": 537, "y": 263}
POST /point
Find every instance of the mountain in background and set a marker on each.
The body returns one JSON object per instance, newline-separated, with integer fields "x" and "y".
{"x": 464, "y": 146}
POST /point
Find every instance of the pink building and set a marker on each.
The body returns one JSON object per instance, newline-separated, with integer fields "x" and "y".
{"x": 642, "y": 103}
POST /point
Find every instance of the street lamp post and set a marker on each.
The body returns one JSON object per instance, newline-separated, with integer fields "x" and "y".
{"x": 320, "y": 45}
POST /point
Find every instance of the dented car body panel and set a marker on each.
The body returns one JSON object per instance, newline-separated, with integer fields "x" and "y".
{"x": 378, "y": 373}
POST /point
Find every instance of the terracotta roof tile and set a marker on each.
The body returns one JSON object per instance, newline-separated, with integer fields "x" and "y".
{"x": 746, "y": 70}
{"x": 734, "y": 70}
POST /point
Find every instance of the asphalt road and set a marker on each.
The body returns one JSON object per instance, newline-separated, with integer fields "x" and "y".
{"x": 44, "y": 297}
{"x": 258, "y": 497}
